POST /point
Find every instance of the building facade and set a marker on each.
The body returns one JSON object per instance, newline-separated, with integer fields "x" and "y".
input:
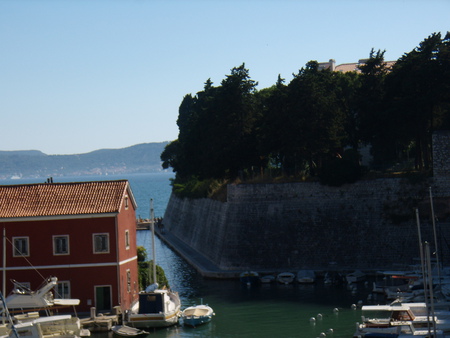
{"x": 83, "y": 233}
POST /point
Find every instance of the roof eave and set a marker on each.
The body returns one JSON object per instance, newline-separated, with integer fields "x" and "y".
{"x": 56, "y": 217}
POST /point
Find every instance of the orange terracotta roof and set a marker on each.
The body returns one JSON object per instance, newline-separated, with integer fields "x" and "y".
{"x": 53, "y": 199}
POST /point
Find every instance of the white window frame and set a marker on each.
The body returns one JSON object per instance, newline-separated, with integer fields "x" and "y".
{"x": 62, "y": 290}
{"x": 126, "y": 202}
{"x": 94, "y": 247}
{"x": 127, "y": 239}
{"x": 20, "y": 253}
{"x": 55, "y": 246}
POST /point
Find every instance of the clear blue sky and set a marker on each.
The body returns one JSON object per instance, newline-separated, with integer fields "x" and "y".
{"x": 82, "y": 75}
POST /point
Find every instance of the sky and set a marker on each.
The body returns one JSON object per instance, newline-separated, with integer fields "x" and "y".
{"x": 82, "y": 75}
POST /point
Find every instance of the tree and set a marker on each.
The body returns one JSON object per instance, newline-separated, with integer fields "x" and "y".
{"x": 415, "y": 95}
{"x": 373, "y": 122}
{"x": 145, "y": 270}
{"x": 316, "y": 120}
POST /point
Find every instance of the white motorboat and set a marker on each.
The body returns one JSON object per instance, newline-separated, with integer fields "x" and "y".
{"x": 127, "y": 331}
{"x": 22, "y": 297}
{"x": 197, "y": 315}
{"x": 30, "y": 323}
{"x": 392, "y": 319}
{"x": 285, "y": 278}
{"x": 306, "y": 277}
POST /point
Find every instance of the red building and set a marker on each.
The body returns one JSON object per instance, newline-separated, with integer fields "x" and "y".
{"x": 83, "y": 233}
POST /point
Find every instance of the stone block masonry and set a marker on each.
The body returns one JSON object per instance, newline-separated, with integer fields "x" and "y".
{"x": 367, "y": 225}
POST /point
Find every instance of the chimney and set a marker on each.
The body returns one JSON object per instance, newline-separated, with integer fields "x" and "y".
{"x": 332, "y": 65}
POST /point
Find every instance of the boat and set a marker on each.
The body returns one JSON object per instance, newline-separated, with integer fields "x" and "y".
{"x": 155, "y": 307}
{"x": 333, "y": 278}
{"x": 394, "y": 284}
{"x": 29, "y": 322}
{"x": 355, "y": 277}
{"x": 127, "y": 331}
{"x": 249, "y": 278}
{"x": 23, "y": 298}
{"x": 267, "y": 279}
{"x": 197, "y": 315}
{"x": 393, "y": 318}
{"x": 306, "y": 276}
{"x": 285, "y": 277}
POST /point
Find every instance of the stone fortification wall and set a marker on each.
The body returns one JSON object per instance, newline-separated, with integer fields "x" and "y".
{"x": 366, "y": 225}
{"x": 370, "y": 224}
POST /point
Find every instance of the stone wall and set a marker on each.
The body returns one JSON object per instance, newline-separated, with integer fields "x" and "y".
{"x": 368, "y": 225}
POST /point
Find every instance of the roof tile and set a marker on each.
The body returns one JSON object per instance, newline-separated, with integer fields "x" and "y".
{"x": 53, "y": 199}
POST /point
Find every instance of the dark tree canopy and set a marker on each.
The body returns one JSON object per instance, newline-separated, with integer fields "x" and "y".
{"x": 308, "y": 126}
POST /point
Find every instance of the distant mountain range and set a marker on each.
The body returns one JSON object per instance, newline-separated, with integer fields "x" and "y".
{"x": 140, "y": 158}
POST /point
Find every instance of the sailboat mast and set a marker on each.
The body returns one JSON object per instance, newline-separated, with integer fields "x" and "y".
{"x": 435, "y": 238}
{"x": 422, "y": 258}
{"x": 152, "y": 222}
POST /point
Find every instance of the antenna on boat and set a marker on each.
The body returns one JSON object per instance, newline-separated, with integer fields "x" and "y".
{"x": 152, "y": 224}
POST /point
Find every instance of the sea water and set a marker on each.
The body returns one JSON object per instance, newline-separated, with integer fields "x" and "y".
{"x": 306, "y": 311}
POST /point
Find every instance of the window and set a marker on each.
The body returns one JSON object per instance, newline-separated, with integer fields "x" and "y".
{"x": 127, "y": 239}
{"x": 128, "y": 281}
{"x": 62, "y": 290}
{"x": 101, "y": 243}
{"x": 126, "y": 202}
{"x": 21, "y": 247}
{"x": 61, "y": 245}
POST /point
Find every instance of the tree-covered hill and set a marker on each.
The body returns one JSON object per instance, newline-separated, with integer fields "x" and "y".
{"x": 140, "y": 158}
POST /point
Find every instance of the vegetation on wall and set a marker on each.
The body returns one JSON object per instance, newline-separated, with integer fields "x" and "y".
{"x": 314, "y": 126}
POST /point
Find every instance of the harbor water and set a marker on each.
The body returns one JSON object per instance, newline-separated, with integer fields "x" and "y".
{"x": 274, "y": 310}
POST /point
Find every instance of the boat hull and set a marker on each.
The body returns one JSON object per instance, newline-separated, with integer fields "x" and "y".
{"x": 197, "y": 315}
{"x": 145, "y": 321}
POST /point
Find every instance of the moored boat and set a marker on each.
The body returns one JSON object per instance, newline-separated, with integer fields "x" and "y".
{"x": 197, "y": 315}
{"x": 267, "y": 279}
{"x": 285, "y": 277}
{"x": 154, "y": 308}
{"x": 127, "y": 331}
{"x": 29, "y": 323}
{"x": 249, "y": 278}
{"x": 400, "y": 318}
{"x": 355, "y": 277}
{"x": 306, "y": 276}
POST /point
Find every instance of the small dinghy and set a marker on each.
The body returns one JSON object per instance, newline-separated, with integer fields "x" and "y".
{"x": 197, "y": 315}
{"x": 127, "y": 331}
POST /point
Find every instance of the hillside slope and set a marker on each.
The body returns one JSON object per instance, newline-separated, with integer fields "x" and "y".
{"x": 139, "y": 158}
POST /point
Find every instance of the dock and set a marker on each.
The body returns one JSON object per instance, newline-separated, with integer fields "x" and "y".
{"x": 101, "y": 322}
